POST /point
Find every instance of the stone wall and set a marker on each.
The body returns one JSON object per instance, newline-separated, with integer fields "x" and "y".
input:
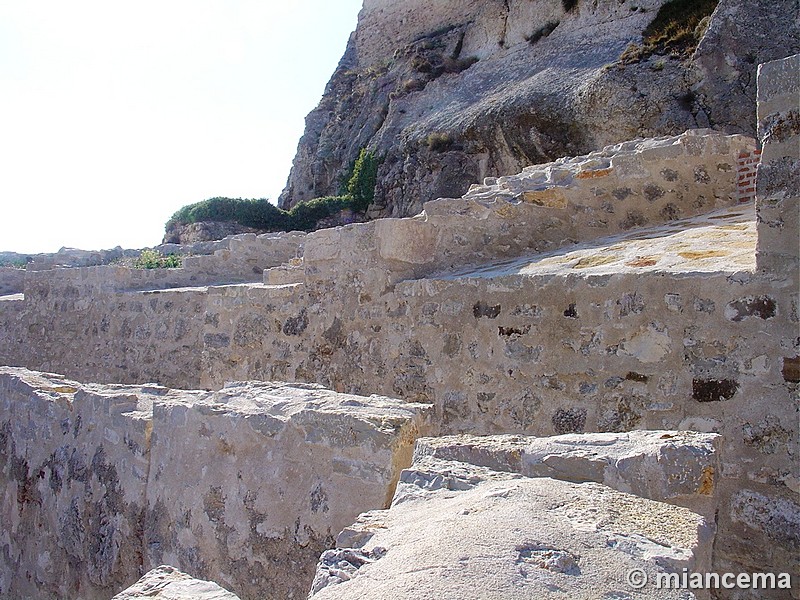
{"x": 12, "y": 280}
{"x": 779, "y": 171}
{"x": 244, "y": 260}
{"x": 485, "y": 308}
{"x": 246, "y": 486}
{"x": 631, "y": 185}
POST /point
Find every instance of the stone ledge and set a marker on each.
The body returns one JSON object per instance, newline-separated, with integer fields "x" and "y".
{"x": 499, "y": 535}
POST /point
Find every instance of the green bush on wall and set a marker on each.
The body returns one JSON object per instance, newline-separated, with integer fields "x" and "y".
{"x": 153, "y": 259}
{"x": 260, "y": 214}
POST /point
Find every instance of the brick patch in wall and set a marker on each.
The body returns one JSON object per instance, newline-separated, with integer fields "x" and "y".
{"x": 746, "y": 167}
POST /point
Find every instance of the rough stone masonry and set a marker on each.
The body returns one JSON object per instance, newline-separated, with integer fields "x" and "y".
{"x": 623, "y": 290}
{"x": 245, "y": 486}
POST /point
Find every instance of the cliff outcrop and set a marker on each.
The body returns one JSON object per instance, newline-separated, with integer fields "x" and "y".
{"x": 451, "y": 93}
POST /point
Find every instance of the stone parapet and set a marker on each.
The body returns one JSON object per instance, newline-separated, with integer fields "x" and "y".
{"x": 677, "y": 467}
{"x": 626, "y": 186}
{"x": 778, "y": 188}
{"x": 246, "y": 486}
{"x": 243, "y": 260}
{"x": 12, "y": 280}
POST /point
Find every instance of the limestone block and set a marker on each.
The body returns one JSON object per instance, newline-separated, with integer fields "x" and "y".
{"x": 73, "y": 473}
{"x": 552, "y": 197}
{"x": 678, "y": 467}
{"x": 245, "y": 486}
{"x": 778, "y": 181}
{"x": 323, "y": 245}
{"x": 406, "y": 240}
{"x": 250, "y": 484}
{"x": 167, "y": 583}
{"x": 284, "y": 274}
{"x": 497, "y": 536}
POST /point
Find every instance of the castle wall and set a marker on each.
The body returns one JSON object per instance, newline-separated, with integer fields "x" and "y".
{"x": 247, "y": 486}
{"x": 636, "y": 184}
{"x": 11, "y": 280}
{"x": 779, "y": 171}
{"x": 245, "y": 260}
{"x": 393, "y": 307}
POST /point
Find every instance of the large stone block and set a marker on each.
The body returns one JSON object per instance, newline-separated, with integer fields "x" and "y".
{"x": 678, "y": 467}
{"x": 499, "y": 535}
{"x": 245, "y": 486}
{"x": 73, "y": 476}
{"x": 249, "y": 485}
{"x": 406, "y": 240}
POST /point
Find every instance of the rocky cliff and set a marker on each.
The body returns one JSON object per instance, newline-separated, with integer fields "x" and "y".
{"x": 450, "y": 93}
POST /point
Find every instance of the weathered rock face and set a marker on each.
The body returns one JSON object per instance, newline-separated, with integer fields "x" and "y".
{"x": 167, "y": 583}
{"x": 491, "y": 534}
{"x": 548, "y": 82}
{"x": 245, "y": 487}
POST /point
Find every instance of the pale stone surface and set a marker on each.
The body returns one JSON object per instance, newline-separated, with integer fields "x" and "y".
{"x": 722, "y": 240}
{"x": 491, "y": 535}
{"x": 678, "y": 467}
{"x": 293, "y": 465}
{"x": 778, "y": 202}
{"x": 245, "y": 486}
{"x": 167, "y": 583}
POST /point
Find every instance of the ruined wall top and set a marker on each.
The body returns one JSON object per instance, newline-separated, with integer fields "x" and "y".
{"x": 778, "y": 186}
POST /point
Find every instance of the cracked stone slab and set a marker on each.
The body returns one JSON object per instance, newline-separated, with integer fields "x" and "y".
{"x": 501, "y": 535}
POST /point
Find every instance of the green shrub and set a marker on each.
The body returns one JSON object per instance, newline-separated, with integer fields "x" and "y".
{"x": 361, "y": 187}
{"x": 18, "y": 263}
{"x": 259, "y": 214}
{"x": 153, "y": 259}
{"x": 306, "y": 215}
{"x": 357, "y": 191}
{"x": 569, "y": 5}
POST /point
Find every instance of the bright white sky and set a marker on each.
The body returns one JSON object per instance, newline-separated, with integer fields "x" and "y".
{"x": 115, "y": 114}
